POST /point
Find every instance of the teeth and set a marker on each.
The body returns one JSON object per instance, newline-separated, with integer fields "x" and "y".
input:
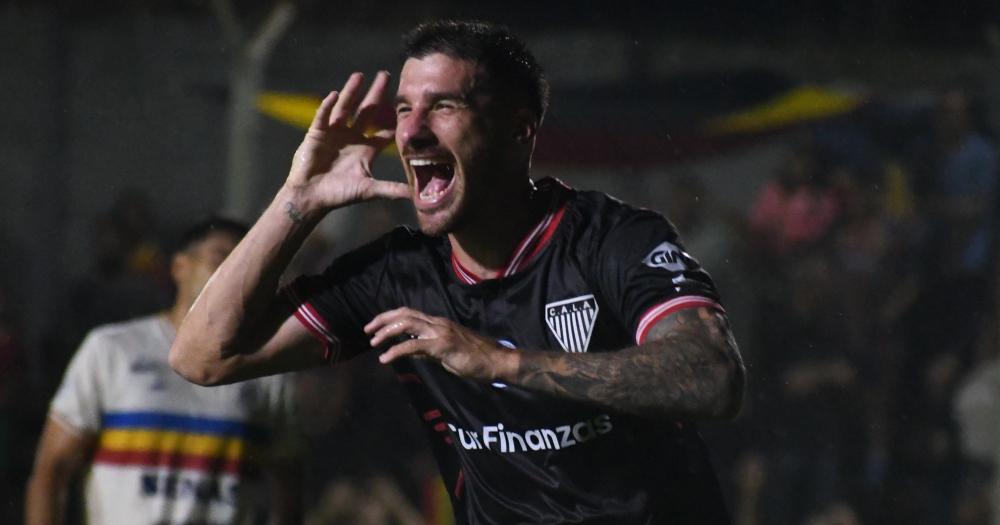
{"x": 428, "y": 195}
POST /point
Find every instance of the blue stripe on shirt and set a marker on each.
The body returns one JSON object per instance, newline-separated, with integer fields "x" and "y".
{"x": 168, "y": 421}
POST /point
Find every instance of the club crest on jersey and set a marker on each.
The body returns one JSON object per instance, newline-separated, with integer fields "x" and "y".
{"x": 572, "y": 321}
{"x": 667, "y": 256}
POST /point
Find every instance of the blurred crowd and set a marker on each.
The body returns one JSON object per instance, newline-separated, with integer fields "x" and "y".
{"x": 866, "y": 270}
{"x": 860, "y": 283}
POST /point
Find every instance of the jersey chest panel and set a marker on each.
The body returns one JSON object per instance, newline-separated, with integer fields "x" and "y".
{"x": 491, "y": 435}
{"x": 551, "y": 306}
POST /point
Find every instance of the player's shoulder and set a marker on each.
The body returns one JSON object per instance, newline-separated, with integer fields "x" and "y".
{"x": 407, "y": 245}
{"x": 125, "y": 328}
{"x": 122, "y": 333}
{"x": 399, "y": 240}
{"x": 401, "y": 247}
{"x": 602, "y": 214}
{"x": 407, "y": 238}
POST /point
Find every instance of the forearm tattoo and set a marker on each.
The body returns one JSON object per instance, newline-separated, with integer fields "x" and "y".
{"x": 690, "y": 367}
{"x": 294, "y": 213}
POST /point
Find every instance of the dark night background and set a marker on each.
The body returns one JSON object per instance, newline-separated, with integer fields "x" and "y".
{"x": 849, "y": 216}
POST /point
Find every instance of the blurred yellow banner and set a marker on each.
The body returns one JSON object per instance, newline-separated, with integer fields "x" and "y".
{"x": 795, "y": 106}
{"x": 296, "y": 110}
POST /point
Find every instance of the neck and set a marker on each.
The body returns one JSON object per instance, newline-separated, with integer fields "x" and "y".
{"x": 175, "y": 314}
{"x": 485, "y": 245}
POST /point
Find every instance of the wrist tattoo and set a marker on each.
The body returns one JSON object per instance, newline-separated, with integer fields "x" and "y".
{"x": 294, "y": 213}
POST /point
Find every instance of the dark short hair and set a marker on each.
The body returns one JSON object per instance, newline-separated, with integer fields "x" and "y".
{"x": 503, "y": 56}
{"x": 201, "y": 230}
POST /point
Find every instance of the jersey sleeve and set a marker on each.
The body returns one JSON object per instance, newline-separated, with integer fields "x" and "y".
{"x": 647, "y": 275}
{"x": 336, "y": 304}
{"x": 78, "y": 403}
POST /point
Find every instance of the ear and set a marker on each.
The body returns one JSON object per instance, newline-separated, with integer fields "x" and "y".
{"x": 525, "y": 125}
{"x": 179, "y": 267}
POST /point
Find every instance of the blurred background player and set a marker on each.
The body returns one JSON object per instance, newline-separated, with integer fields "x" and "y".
{"x": 160, "y": 449}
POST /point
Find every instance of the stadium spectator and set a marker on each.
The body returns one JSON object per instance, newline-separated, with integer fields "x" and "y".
{"x": 798, "y": 208}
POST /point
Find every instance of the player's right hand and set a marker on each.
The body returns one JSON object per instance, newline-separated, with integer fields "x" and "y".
{"x": 332, "y": 166}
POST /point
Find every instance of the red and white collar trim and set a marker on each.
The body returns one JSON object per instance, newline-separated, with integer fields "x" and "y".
{"x": 464, "y": 275}
{"x": 526, "y": 250}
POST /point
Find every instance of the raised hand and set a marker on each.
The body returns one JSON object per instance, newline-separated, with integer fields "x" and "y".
{"x": 458, "y": 349}
{"x": 333, "y": 163}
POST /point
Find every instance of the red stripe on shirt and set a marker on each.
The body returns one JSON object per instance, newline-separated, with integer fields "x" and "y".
{"x": 313, "y": 322}
{"x": 543, "y": 240}
{"x": 525, "y": 245}
{"x": 526, "y": 250}
{"x": 316, "y": 332}
{"x": 465, "y": 275}
{"x": 659, "y": 311}
{"x": 127, "y": 458}
{"x": 459, "y": 484}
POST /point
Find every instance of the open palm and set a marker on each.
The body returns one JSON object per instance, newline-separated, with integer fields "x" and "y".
{"x": 334, "y": 160}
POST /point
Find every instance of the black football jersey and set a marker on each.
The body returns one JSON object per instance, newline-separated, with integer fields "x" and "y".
{"x": 593, "y": 276}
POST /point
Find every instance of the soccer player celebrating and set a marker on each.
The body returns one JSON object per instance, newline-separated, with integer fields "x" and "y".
{"x": 559, "y": 344}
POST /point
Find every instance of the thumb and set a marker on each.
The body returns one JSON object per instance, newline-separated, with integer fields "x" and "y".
{"x": 383, "y": 189}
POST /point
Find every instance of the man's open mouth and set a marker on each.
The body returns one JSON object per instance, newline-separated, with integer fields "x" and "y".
{"x": 433, "y": 178}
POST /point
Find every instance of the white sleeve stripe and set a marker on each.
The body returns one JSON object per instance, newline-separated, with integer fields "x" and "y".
{"x": 662, "y": 310}
{"x": 309, "y": 315}
{"x": 306, "y": 314}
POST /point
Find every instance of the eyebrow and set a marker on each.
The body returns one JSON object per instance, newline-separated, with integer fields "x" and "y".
{"x": 435, "y": 96}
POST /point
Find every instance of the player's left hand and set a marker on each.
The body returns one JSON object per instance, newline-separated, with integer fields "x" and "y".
{"x": 459, "y": 350}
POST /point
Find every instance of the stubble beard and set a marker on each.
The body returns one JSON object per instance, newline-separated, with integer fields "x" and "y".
{"x": 437, "y": 226}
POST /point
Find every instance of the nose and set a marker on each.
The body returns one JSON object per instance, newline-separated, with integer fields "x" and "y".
{"x": 414, "y": 132}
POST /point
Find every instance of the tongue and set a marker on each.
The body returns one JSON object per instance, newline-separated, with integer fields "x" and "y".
{"x": 436, "y": 184}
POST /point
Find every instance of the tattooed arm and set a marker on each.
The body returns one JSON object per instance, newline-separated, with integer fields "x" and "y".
{"x": 688, "y": 368}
